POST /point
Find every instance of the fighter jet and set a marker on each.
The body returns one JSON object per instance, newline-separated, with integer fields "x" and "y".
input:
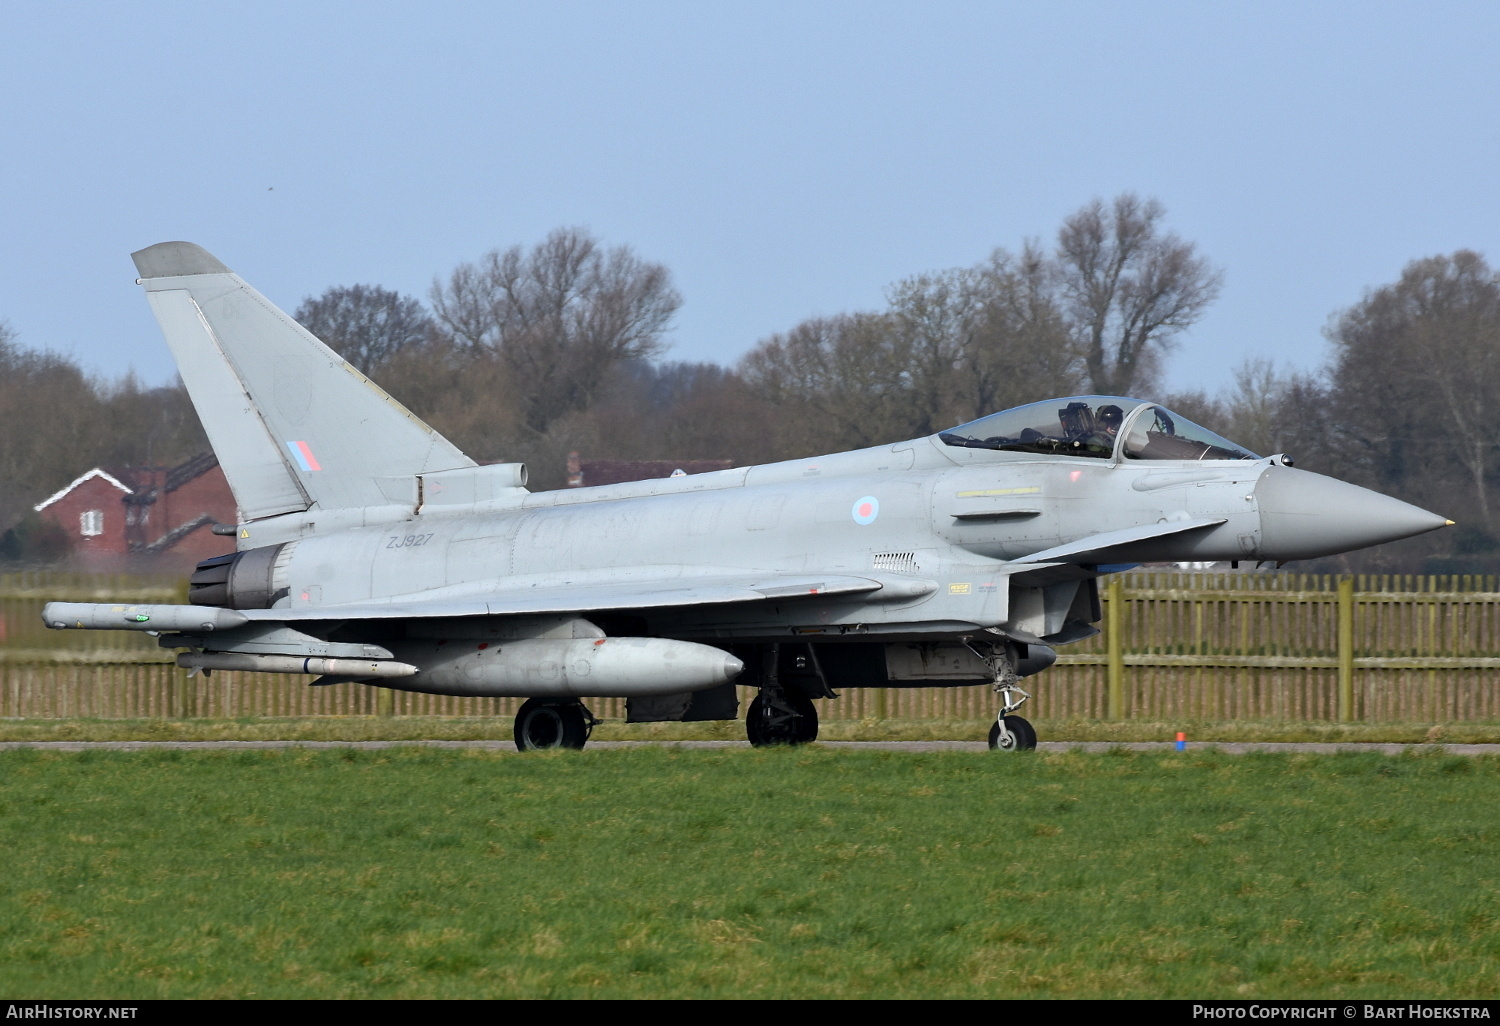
{"x": 371, "y": 551}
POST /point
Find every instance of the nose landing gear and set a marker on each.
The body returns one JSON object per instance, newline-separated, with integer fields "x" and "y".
{"x": 1011, "y": 733}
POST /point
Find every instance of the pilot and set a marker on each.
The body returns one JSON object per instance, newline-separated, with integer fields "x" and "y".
{"x": 1107, "y": 421}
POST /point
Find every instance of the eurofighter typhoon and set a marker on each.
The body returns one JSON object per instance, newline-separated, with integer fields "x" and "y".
{"x": 370, "y": 550}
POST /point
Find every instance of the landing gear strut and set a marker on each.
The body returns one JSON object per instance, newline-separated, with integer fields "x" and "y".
{"x": 781, "y": 715}
{"x": 1010, "y": 733}
{"x": 553, "y": 723}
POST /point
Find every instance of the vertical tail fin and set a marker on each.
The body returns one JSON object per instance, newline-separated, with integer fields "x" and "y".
{"x": 293, "y": 425}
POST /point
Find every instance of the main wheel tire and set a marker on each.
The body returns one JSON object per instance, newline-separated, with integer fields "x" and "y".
{"x": 543, "y": 723}
{"x": 806, "y": 724}
{"x": 767, "y": 725}
{"x": 1022, "y": 735}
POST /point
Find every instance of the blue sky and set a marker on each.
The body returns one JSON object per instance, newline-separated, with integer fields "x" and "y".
{"x": 782, "y": 159}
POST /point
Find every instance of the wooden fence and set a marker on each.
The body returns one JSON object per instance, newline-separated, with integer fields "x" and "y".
{"x": 1211, "y": 646}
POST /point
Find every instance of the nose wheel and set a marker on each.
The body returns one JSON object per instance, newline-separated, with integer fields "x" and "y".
{"x": 1011, "y": 733}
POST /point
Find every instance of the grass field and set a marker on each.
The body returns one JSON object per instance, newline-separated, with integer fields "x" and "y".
{"x": 734, "y": 872}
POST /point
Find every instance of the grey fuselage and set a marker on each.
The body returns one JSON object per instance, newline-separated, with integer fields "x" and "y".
{"x": 942, "y": 519}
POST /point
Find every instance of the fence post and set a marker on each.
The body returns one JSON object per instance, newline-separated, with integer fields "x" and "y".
{"x": 385, "y": 702}
{"x": 1114, "y": 631}
{"x": 183, "y": 687}
{"x": 1346, "y": 649}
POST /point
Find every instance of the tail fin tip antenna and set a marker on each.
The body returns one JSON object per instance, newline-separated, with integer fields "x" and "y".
{"x": 176, "y": 260}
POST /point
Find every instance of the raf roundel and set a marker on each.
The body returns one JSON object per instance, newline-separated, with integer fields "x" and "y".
{"x": 866, "y": 510}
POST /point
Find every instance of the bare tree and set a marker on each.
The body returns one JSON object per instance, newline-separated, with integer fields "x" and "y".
{"x": 1023, "y": 351}
{"x": 466, "y": 395}
{"x": 558, "y": 317}
{"x": 1455, "y": 325}
{"x": 980, "y": 339}
{"x": 1418, "y": 372}
{"x": 1305, "y": 427}
{"x": 1380, "y": 405}
{"x": 937, "y": 320}
{"x": 1254, "y": 405}
{"x": 1128, "y": 288}
{"x": 153, "y": 426}
{"x": 1267, "y": 411}
{"x": 49, "y": 425}
{"x": 836, "y": 382}
{"x": 673, "y": 410}
{"x": 950, "y": 346}
{"x": 365, "y": 324}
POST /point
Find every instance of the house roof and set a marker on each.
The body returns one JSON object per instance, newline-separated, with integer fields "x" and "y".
{"x": 187, "y": 471}
{"x": 96, "y": 472}
{"x": 172, "y": 478}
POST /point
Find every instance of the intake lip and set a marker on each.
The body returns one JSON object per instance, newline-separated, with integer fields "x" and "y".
{"x": 1304, "y": 515}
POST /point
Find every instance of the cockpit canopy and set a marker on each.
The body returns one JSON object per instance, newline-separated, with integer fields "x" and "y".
{"x": 1094, "y": 426}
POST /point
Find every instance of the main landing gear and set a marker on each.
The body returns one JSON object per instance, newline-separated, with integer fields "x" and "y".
{"x": 553, "y": 723}
{"x": 781, "y": 717}
{"x": 783, "y": 713}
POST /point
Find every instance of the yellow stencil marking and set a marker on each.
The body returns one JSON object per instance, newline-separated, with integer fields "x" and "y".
{"x": 959, "y": 589}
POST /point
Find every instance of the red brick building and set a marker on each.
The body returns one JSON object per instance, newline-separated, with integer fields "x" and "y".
{"x": 145, "y": 518}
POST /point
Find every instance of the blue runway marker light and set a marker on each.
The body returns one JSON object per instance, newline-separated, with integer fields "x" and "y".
{"x": 1181, "y": 741}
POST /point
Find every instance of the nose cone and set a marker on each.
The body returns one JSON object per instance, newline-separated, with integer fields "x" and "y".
{"x": 1303, "y": 515}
